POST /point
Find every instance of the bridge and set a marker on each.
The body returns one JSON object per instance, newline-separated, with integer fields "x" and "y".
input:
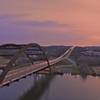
{"x": 13, "y": 71}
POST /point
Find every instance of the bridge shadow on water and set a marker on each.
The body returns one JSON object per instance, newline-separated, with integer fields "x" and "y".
{"x": 38, "y": 88}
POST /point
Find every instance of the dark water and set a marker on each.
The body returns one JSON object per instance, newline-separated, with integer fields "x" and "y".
{"x": 65, "y": 87}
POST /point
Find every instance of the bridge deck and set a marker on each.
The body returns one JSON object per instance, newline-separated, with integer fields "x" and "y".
{"x": 19, "y": 73}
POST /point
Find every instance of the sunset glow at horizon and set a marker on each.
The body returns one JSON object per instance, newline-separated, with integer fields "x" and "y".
{"x": 50, "y": 22}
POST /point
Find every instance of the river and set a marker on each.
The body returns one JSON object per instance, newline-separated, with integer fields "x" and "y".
{"x": 60, "y": 87}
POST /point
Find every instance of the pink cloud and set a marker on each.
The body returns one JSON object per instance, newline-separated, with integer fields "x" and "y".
{"x": 73, "y": 18}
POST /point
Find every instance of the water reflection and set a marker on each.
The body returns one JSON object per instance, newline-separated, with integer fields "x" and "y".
{"x": 38, "y": 88}
{"x": 17, "y": 89}
{"x": 68, "y": 87}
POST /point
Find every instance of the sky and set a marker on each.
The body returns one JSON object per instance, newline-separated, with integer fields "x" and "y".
{"x": 50, "y": 22}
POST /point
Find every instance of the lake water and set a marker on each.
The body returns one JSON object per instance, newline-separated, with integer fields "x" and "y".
{"x": 64, "y": 87}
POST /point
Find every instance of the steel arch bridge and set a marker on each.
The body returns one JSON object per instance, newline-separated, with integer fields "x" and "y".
{"x": 29, "y": 70}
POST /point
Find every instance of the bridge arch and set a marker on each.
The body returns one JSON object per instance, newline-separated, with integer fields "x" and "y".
{"x": 10, "y": 64}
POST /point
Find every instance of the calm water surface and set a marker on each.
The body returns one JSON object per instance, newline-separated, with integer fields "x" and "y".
{"x": 65, "y": 87}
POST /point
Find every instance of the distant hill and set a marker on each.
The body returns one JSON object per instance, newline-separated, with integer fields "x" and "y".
{"x": 51, "y": 51}
{"x": 88, "y": 54}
